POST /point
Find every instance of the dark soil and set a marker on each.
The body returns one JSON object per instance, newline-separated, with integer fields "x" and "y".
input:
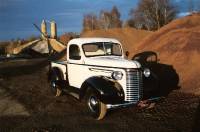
{"x": 178, "y": 112}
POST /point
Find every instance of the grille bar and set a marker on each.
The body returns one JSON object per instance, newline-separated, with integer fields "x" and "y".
{"x": 133, "y": 85}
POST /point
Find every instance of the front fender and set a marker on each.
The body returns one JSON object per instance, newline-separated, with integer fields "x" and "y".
{"x": 105, "y": 89}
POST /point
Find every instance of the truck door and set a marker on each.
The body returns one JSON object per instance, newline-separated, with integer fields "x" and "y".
{"x": 74, "y": 66}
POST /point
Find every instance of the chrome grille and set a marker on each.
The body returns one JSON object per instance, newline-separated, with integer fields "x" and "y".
{"x": 133, "y": 85}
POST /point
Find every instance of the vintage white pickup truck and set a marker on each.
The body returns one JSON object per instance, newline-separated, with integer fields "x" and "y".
{"x": 97, "y": 72}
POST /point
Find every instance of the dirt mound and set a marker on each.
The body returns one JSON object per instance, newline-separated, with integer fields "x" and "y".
{"x": 178, "y": 44}
{"x": 181, "y": 34}
{"x": 127, "y": 36}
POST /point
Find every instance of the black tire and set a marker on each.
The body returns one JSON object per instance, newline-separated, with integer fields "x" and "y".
{"x": 54, "y": 85}
{"x": 96, "y": 107}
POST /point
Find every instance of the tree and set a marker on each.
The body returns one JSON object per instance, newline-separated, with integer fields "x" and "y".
{"x": 66, "y": 37}
{"x": 115, "y": 18}
{"x": 130, "y": 23}
{"x": 90, "y": 22}
{"x": 106, "y": 20}
{"x": 191, "y": 6}
{"x": 110, "y": 19}
{"x": 153, "y": 14}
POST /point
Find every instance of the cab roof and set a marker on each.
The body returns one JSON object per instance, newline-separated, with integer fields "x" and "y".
{"x": 81, "y": 41}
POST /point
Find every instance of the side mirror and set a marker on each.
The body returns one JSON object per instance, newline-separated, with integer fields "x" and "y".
{"x": 127, "y": 54}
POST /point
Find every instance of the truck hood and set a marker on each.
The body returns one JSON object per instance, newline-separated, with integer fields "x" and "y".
{"x": 112, "y": 61}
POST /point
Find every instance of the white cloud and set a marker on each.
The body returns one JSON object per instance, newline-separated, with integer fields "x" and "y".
{"x": 182, "y": 14}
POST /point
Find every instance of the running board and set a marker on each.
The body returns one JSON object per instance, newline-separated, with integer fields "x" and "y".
{"x": 76, "y": 95}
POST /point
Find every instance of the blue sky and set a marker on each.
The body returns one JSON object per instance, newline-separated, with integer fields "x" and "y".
{"x": 17, "y": 16}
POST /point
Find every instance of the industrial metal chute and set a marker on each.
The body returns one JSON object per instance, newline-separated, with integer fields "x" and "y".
{"x": 54, "y": 44}
{"x": 53, "y": 30}
{"x": 47, "y": 44}
{"x": 18, "y": 49}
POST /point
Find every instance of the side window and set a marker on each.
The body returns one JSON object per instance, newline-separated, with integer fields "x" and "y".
{"x": 74, "y": 52}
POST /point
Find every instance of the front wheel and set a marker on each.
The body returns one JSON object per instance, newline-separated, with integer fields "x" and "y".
{"x": 97, "y": 108}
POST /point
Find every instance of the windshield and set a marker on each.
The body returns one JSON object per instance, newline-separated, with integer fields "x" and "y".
{"x": 102, "y": 49}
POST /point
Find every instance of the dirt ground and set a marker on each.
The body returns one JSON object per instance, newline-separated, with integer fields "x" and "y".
{"x": 26, "y": 104}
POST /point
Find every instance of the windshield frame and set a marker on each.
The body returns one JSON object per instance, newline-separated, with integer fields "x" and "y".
{"x": 120, "y": 46}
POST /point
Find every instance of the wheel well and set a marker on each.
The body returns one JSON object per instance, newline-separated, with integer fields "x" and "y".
{"x": 55, "y": 71}
{"x": 83, "y": 90}
{"x": 86, "y": 86}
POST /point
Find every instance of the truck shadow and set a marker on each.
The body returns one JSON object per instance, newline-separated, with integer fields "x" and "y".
{"x": 163, "y": 79}
{"x": 196, "y": 126}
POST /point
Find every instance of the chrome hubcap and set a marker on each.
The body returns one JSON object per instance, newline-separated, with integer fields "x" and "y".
{"x": 53, "y": 84}
{"x": 93, "y": 103}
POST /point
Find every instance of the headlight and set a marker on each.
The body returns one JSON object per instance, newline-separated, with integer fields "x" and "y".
{"x": 147, "y": 72}
{"x": 117, "y": 75}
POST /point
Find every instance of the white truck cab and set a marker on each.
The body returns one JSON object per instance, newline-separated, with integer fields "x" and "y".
{"x": 97, "y": 72}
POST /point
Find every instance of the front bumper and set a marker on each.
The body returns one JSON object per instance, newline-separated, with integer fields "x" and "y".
{"x": 127, "y": 104}
{"x": 123, "y": 105}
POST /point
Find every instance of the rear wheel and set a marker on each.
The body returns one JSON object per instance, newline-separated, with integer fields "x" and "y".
{"x": 54, "y": 85}
{"x": 56, "y": 90}
{"x": 97, "y": 108}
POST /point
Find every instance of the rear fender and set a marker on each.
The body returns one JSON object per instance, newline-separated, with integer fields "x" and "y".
{"x": 55, "y": 73}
